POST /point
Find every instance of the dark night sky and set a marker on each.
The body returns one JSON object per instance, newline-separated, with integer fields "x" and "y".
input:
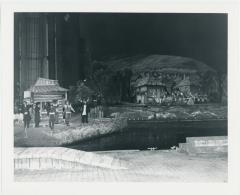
{"x": 199, "y": 36}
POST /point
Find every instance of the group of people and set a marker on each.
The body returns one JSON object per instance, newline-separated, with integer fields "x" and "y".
{"x": 180, "y": 98}
{"x": 176, "y": 97}
{"x": 52, "y": 113}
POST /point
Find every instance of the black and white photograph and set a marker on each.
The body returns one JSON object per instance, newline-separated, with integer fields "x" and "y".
{"x": 120, "y": 97}
{"x": 113, "y": 97}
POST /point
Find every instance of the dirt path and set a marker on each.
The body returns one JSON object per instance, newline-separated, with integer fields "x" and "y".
{"x": 62, "y": 134}
{"x": 41, "y": 136}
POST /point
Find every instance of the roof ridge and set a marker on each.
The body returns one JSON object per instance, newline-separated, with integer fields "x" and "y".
{"x": 47, "y": 79}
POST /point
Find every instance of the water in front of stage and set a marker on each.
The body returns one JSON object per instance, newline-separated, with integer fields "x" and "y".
{"x": 146, "y": 134}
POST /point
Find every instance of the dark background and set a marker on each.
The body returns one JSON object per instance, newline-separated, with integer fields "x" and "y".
{"x": 76, "y": 40}
{"x": 199, "y": 36}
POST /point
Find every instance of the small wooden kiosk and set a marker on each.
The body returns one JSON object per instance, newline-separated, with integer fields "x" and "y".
{"x": 46, "y": 91}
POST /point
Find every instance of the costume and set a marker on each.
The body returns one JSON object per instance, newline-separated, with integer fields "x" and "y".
{"x": 56, "y": 113}
{"x": 84, "y": 112}
{"x": 67, "y": 112}
{"x": 48, "y": 107}
{"x": 64, "y": 114}
{"x": 52, "y": 117}
{"x": 37, "y": 116}
{"x": 26, "y": 115}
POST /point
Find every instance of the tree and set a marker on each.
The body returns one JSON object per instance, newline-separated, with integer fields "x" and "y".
{"x": 210, "y": 85}
{"x": 102, "y": 79}
{"x": 80, "y": 92}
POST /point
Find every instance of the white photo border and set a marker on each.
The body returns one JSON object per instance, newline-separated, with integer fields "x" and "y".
{"x": 6, "y": 98}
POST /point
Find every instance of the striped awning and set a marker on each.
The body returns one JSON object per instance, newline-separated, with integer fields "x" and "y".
{"x": 45, "y": 86}
{"x": 46, "y": 98}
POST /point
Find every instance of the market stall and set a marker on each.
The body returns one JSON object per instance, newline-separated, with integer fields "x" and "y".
{"x": 46, "y": 91}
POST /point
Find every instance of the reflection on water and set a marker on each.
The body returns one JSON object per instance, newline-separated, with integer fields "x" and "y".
{"x": 142, "y": 135}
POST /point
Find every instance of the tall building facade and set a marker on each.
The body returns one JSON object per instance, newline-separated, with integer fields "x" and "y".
{"x": 31, "y": 50}
{"x": 50, "y": 46}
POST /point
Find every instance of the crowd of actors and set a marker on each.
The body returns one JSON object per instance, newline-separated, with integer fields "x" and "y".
{"x": 176, "y": 97}
{"x": 170, "y": 94}
{"x": 52, "y": 110}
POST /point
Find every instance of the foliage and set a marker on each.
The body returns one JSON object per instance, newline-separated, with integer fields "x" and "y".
{"x": 113, "y": 86}
{"x": 111, "y": 78}
{"x": 80, "y": 91}
{"x": 210, "y": 86}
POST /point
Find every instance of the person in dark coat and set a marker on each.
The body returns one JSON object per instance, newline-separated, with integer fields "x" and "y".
{"x": 26, "y": 116}
{"x": 37, "y": 115}
{"x": 84, "y": 111}
{"x": 64, "y": 113}
{"x": 48, "y": 107}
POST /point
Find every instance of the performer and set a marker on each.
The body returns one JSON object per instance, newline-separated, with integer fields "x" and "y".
{"x": 67, "y": 112}
{"x": 52, "y": 117}
{"x": 84, "y": 111}
{"x": 37, "y": 114}
{"x": 26, "y": 116}
{"x": 64, "y": 114}
{"x": 55, "y": 105}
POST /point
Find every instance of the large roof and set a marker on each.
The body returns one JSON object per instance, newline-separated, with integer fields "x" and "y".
{"x": 43, "y": 85}
{"x": 161, "y": 63}
{"x": 149, "y": 81}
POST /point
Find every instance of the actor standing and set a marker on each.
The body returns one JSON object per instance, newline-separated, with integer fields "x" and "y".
{"x": 52, "y": 117}
{"x": 67, "y": 112}
{"x": 84, "y": 111}
{"x": 37, "y": 114}
{"x": 26, "y": 116}
{"x": 55, "y": 105}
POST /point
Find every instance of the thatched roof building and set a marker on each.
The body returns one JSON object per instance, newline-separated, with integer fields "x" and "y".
{"x": 151, "y": 73}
